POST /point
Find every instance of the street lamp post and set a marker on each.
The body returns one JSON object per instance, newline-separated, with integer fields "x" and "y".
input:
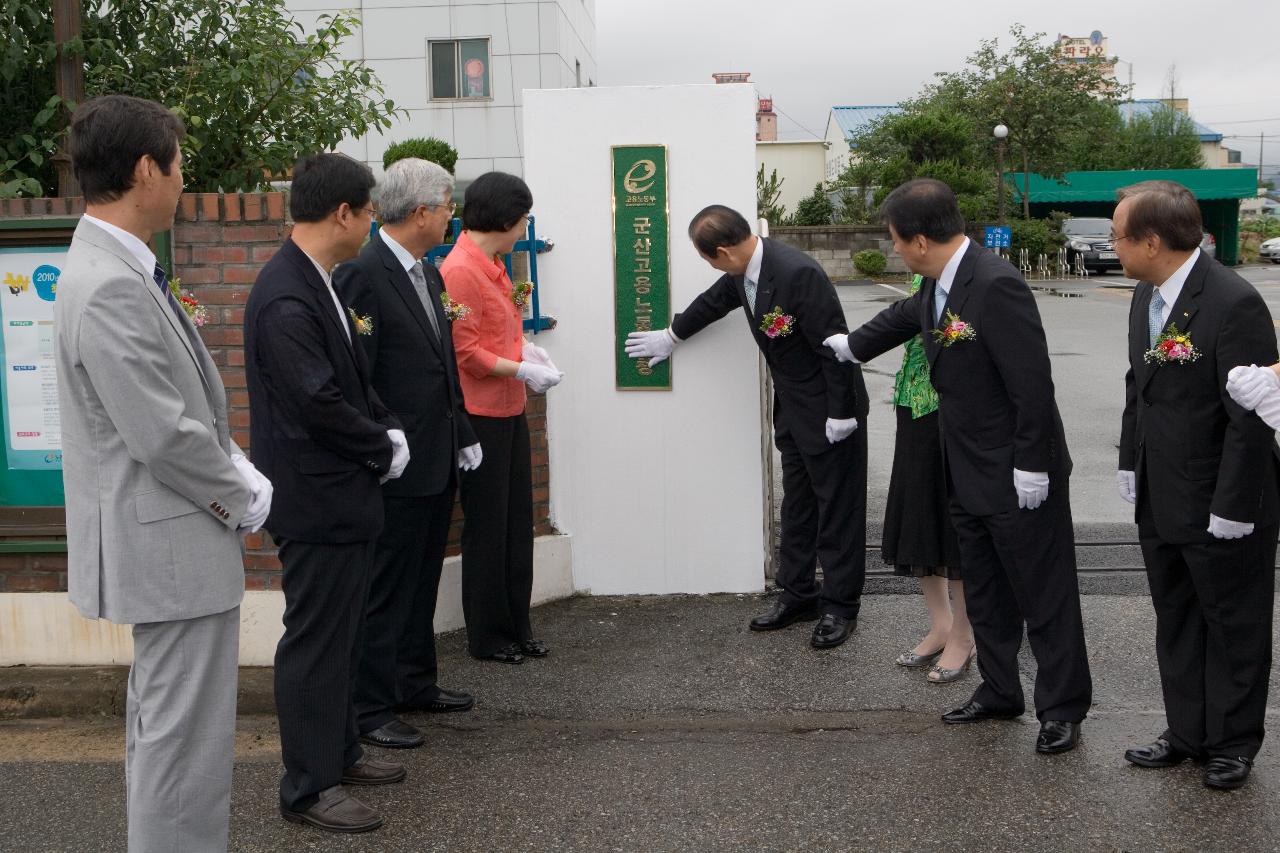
{"x": 1000, "y": 132}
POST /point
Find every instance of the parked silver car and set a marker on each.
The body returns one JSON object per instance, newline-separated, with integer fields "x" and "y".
{"x": 1270, "y": 250}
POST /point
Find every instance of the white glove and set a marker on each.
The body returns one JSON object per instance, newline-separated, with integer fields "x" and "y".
{"x": 469, "y": 458}
{"x": 655, "y": 346}
{"x": 260, "y": 491}
{"x": 840, "y": 429}
{"x": 1127, "y": 483}
{"x": 399, "y": 454}
{"x": 1032, "y": 488}
{"x": 532, "y": 352}
{"x": 538, "y": 377}
{"x": 839, "y": 344}
{"x": 1221, "y": 528}
{"x": 1250, "y": 385}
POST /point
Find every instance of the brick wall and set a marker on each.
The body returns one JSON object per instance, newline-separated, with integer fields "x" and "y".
{"x": 220, "y": 242}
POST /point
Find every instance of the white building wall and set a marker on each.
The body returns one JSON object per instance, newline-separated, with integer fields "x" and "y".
{"x": 534, "y": 44}
{"x": 837, "y": 153}
{"x": 661, "y": 491}
{"x": 800, "y": 165}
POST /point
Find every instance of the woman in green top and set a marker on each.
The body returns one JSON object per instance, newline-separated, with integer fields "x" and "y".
{"x": 919, "y": 540}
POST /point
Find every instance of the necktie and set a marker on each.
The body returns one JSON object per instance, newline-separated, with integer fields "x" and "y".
{"x": 939, "y": 302}
{"x": 419, "y": 280}
{"x": 750, "y": 287}
{"x": 1155, "y": 320}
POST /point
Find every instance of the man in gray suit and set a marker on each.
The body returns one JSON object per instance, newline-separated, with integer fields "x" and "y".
{"x": 157, "y": 493}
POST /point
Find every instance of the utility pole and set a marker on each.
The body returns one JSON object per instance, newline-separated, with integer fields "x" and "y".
{"x": 69, "y": 72}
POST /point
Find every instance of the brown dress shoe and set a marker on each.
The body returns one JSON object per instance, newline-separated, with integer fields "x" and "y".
{"x": 371, "y": 771}
{"x": 336, "y": 811}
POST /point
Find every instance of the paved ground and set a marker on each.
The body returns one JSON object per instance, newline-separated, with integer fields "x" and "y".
{"x": 663, "y": 724}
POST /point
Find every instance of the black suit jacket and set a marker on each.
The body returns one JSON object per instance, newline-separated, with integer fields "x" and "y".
{"x": 414, "y": 370}
{"x": 810, "y": 385}
{"x": 996, "y": 403}
{"x": 1199, "y": 451}
{"x": 317, "y": 429}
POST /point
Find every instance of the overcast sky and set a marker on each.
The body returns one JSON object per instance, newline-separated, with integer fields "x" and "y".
{"x": 812, "y": 54}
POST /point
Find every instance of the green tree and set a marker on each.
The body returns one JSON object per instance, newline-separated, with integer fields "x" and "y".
{"x": 814, "y": 209}
{"x": 32, "y": 116}
{"x": 767, "y": 192}
{"x": 424, "y": 148}
{"x": 925, "y": 139}
{"x": 1045, "y": 102}
{"x": 256, "y": 93}
{"x": 1162, "y": 139}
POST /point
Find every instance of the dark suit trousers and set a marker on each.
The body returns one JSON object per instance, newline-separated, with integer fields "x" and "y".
{"x": 1021, "y": 566}
{"x": 398, "y": 662}
{"x": 1213, "y": 636}
{"x": 497, "y": 537}
{"x": 824, "y": 519}
{"x": 325, "y": 590}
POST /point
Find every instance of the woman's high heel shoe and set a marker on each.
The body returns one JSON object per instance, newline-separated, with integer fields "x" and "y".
{"x": 912, "y": 660}
{"x": 938, "y": 675}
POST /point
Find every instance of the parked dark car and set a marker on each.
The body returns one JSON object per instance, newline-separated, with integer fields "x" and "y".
{"x": 1090, "y": 240}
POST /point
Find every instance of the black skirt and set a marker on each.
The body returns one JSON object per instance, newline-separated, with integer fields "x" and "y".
{"x": 919, "y": 540}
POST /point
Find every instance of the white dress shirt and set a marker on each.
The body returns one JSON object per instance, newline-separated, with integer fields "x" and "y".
{"x": 753, "y": 265}
{"x": 403, "y": 255}
{"x": 1172, "y": 286}
{"x": 136, "y": 247}
{"x": 948, "y": 277}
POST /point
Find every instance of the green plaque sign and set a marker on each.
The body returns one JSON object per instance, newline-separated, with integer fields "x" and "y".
{"x": 641, "y": 260}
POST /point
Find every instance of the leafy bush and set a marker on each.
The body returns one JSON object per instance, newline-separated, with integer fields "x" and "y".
{"x": 1034, "y": 235}
{"x": 32, "y": 116}
{"x": 424, "y": 148}
{"x": 869, "y": 261}
{"x": 815, "y": 209}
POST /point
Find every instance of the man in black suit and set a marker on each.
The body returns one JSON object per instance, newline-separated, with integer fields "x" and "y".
{"x": 411, "y": 361}
{"x": 1006, "y": 458}
{"x": 1203, "y": 474}
{"x": 818, "y": 406}
{"x": 319, "y": 428}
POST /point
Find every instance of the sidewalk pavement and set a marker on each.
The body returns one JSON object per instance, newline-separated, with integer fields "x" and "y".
{"x": 664, "y": 724}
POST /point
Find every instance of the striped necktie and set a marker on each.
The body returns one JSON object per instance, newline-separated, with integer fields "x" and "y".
{"x": 1155, "y": 319}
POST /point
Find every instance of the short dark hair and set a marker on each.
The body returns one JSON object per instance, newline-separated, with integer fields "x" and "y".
{"x": 322, "y": 182}
{"x": 111, "y": 133}
{"x": 924, "y": 206}
{"x": 717, "y": 226}
{"x": 1166, "y": 209}
{"x": 495, "y": 201}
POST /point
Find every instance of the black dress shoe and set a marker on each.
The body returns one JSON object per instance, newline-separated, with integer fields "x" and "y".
{"x": 444, "y": 702}
{"x": 1057, "y": 736}
{"x": 831, "y": 631}
{"x": 974, "y": 711}
{"x": 506, "y": 654}
{"x": 336, "y": 811}
{"x": 781, "y": 614}
{"x": 394, "y": 734}
{"x": 1159, "y": 753}
{"x": 534, "y": 648}
{"x": 1225, "y": 773}
{"x": 371, "y": 771}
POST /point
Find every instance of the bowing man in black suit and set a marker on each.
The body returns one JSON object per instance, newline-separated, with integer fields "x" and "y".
{"x": 411, "y": 361}
{"x": 1203, "y": 474}
{"x": 319, "y": 428}
{"x": 1006, "y": 458}
{"x": 819, "y": 406}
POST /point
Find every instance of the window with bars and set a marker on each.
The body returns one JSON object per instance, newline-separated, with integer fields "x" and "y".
{"x": 459, "y": 69}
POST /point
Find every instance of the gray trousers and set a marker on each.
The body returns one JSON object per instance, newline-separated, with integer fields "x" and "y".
{"x": 180, "y": 721}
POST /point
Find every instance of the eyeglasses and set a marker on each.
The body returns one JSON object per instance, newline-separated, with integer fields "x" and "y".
{"x": 1116, "y": 238}
{"x": 372, "y": 211}
{"x": 453, "y": 206}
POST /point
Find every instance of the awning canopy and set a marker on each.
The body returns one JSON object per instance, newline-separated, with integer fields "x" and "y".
{"x": 1205, "y": 184}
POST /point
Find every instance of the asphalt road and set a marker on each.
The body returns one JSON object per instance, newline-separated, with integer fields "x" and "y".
{"x": 662, "y": 724}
